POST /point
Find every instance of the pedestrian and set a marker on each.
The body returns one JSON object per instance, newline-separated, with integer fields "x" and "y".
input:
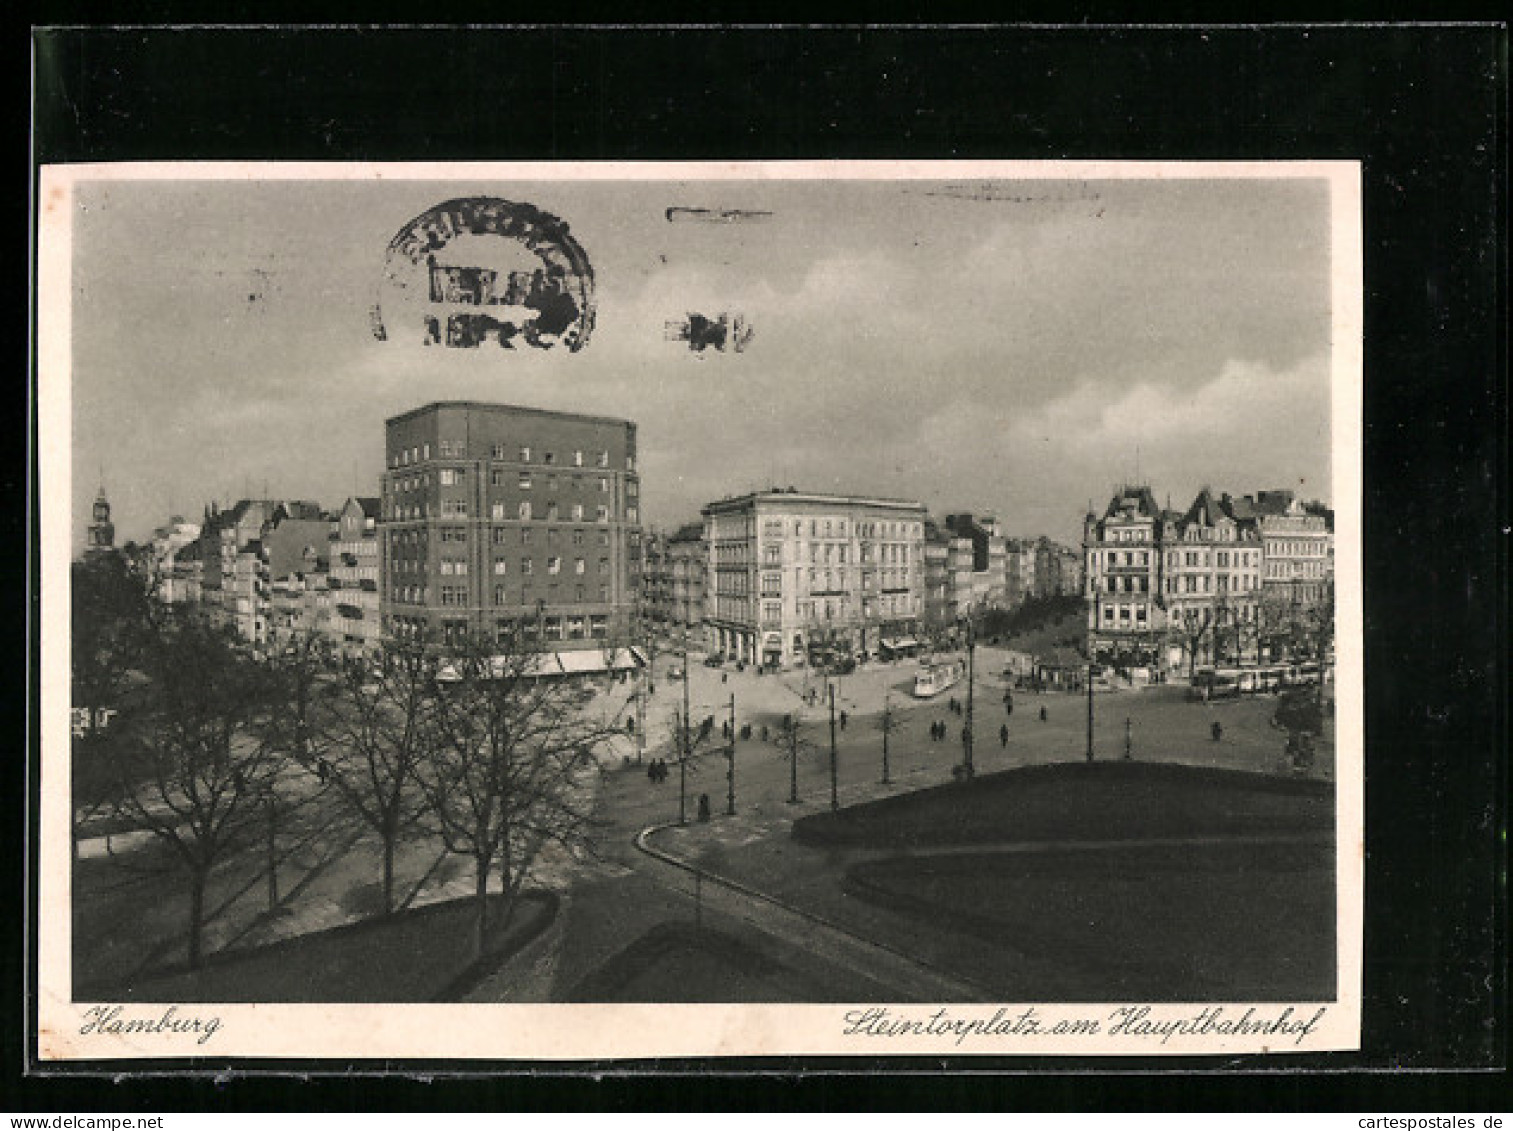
{"x": 1042, "y": 713}
{"x": 1217, "y": 730}
{"x": 724, "y": 677}
{"x": 1008, "y": 708}
{"x": 764, "y": 732}
{"x": 843, "y": 720}
{"x": 1003, "y": 737}
{"x": 651, "y": 770}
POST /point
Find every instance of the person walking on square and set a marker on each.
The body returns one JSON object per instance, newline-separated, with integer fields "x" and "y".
{"x": 1003, "y": 736}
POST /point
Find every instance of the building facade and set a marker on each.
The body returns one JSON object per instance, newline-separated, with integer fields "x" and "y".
{"x": 939, "y": 607}
{"x": 792, "y": 575}
{"x": 977, "y": 563}
{"x": 174, "y": 563}
{"x": 500, "y": 520}
{"x": 1211, "y": 584}
{"x": 687, "y": 562}
{"x": 355, "y": 622}
{"x": 1125, "y": 614}
{"x": 1190, "y": 589}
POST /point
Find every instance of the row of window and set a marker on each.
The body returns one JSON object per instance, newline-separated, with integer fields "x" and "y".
{"x": 1313, "y": 548}
{"x": 524, "y": 511}
{"x": 1192, "y": 559}
{"x": 501, "y": 477}
{"x": 836, "y": 528}
{"x": 458, "y": 567}
{"x": 458, "y": 449}
{"x": 456, "y": 596}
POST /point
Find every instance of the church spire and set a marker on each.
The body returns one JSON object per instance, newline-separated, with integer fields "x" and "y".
{"x": 102, "y": 532}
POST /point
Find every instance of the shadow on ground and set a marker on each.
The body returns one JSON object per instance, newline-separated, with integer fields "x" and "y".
{"x": 420, "y": 955}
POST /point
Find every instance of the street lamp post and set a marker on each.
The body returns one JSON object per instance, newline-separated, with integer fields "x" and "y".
{"x": 887, "y": 726}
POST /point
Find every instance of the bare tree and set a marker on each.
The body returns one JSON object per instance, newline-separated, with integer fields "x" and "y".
{"x": 792, "y": 738}
{"x": 377, "y": 730}
{"x": 510, "y": 772}
{"x": 199, "y": 751}
{"x": 1192, "y": 626}
{"x": 111, "y": 611}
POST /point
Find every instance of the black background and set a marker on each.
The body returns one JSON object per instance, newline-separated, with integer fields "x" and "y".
{"x": 1424, "y": 109}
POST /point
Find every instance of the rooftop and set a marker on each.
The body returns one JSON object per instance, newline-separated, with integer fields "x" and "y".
{"x": 486, "y": 406}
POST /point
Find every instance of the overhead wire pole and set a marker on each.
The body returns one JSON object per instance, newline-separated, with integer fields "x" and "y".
{"x": 683, "y": 733}
{"x": 966, "y": 734}
{"x": 835, "y": 800}
{"x": 887, "y": 726}
{"x": 730, "y": 769}
{"x": 1090, "y": 711}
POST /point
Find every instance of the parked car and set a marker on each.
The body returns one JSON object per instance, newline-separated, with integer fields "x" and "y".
{"x": 714, "y": 661}
{"x": 674, "y": 672}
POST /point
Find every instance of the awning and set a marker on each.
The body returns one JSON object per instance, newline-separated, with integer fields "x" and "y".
{"x": 584, "y": 661}
{"x": 898, "y": 644}
{"x": 589, "y": 660}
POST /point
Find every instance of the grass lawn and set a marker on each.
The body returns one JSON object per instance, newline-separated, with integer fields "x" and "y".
{"x": 1078, "y": 801}
{"x": 1229, "y": 922}
{"x": 413, "y": 956}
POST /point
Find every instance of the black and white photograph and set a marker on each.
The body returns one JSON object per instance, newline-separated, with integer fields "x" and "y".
{"x": 575, "y": 611}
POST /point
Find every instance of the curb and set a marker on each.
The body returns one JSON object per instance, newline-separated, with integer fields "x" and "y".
{"x": 642, "y": 842}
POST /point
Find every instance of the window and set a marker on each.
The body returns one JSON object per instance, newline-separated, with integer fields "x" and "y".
{"x": 554, "y": 565}
{"x": 496, "y": 510}
{"x": 525, "y": 454}
{"x": 632, "y": 514}
{"x": 501, "y": 597}
{"x": 630, "y": 463}
{"x": 548, "y": 457}
{"x": 554, "y": 628}
{"x": 578, "y": 459}
{"x": 604, "y": 538}
{"x": 598, "y": 626}
{"x": 579, "y": 566}
{"x": 501, "y": 567}
{"x": 604, "y": 459}
{"x": 525, "y": 481}
{"x": 425, "y": 451}
{"x": 527, "y": 566}
{"x": 577, "y": 512}
{"x": 525, "y": 510}
{"x": 498, "y": 451}
{"x": 603, "y": 484}
{"x": 454, "y": 508}
{"x": 551, "y": 512}
{"x": 575, "y": 628}
{"x": 449, "y": 477}
{"x": 551, "y": 537}
{"x": 601, "y": 514}
{"x": 603, "y": 566}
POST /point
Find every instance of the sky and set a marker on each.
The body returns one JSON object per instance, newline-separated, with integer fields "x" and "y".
{"x": 1015, "y": 348}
